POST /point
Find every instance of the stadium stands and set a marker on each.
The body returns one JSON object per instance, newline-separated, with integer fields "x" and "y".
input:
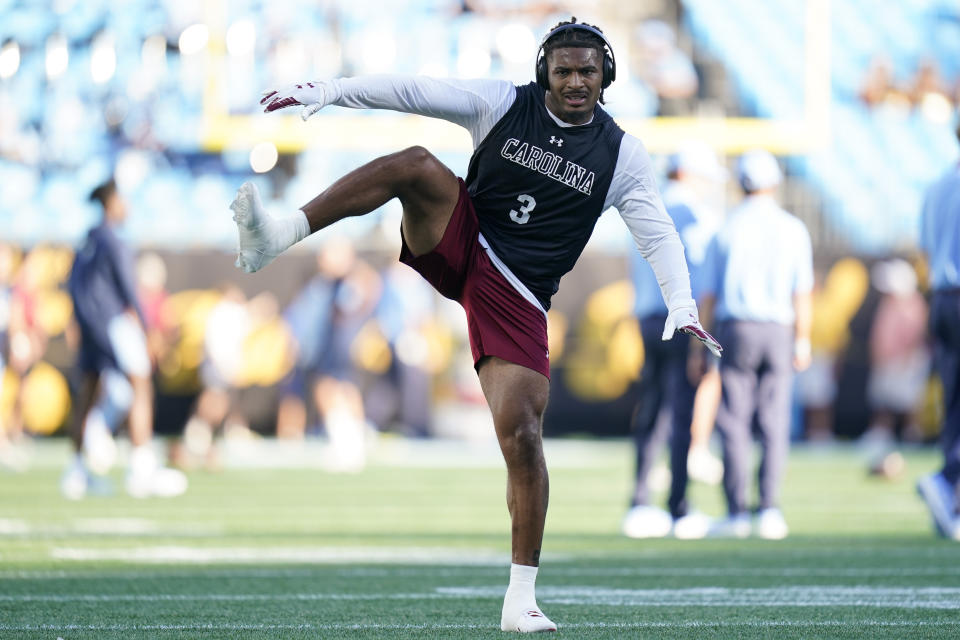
{"x": 873, "y": 173}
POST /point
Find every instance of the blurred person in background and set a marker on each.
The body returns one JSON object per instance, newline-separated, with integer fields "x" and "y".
{"x": 26, "y": 344}
{"x": 404, "y": 315}
{"x": 929, "y": 93}
{"x": 666, "y": 68}
{"x": 837, "y": 297}
{"x": 154, "y": 301}
{"x": 101, "y": 286}
{"x": 757, "y": 283}
{"x": 879, "y": 89}
{"x": 325, "y": 319}
{"x": 226, "y": 328}
{"x": 940, "y": 240}
{"x": 9, "y": 456}
{"x": 899, "y": 363}
{"x": 309, "y": 318}
{"x": 547, "y": 161}
{"x": 669, "y": 397}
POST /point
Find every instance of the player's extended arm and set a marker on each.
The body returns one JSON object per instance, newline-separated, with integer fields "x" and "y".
{"x": 463, "y": 102}
{"x": 635, "y": 195}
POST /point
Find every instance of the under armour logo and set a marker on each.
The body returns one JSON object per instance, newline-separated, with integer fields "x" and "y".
{"x": 557, "y": 141}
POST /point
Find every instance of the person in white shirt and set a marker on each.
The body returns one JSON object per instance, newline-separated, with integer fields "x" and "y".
{"x": 757, "y": 281}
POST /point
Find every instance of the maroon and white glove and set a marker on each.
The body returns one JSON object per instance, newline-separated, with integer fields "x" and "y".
{"x": 312, "y": 96}
{"x": 686, "y": 320}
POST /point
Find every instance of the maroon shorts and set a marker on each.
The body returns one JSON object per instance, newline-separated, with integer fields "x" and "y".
{"x": 501, "y": 322}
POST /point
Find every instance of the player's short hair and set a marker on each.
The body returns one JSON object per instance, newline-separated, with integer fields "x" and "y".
{"x": 578, "y": 38}
{"x": 103, "y": 192}
{"x": 574, "y": 38}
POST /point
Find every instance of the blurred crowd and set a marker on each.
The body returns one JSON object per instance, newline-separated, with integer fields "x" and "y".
{"x": 926, "y": 92}
{"x": 356, "y": 348}
{"x": 361, "y": 349}
{"x": 93, "y": 89}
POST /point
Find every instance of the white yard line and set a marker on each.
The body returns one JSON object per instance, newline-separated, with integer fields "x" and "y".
{"x": 801, "y": 596}
{"x": 118, "y": 526}
{"x": 13, "y": 527}
{"x": 223, "y": 597}
{"x": 762, "y": 624}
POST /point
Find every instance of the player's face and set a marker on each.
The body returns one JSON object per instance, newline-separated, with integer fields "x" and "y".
{"x": 575, "y": 75}
{"x": 116, "y": 207}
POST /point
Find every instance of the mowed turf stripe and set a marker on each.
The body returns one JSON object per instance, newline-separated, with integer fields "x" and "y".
{"x": 806, "y": 596}
{"x": 692, "y": 624}
{"x": 448, "y": 571}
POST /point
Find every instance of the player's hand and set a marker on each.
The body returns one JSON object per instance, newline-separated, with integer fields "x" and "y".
{"x": 312, "y": 96}
{"x": 686, "y": 320}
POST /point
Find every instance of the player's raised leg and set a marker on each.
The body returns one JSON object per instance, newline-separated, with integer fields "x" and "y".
{"x": 517, "y": 397}
{"x": 427, "y": 189}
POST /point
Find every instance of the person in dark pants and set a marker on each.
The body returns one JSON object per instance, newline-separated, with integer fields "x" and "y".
{"x": 668, "y": 391}
{"x": 940, "y": 240}
{"x": 757, "y": 280}
{"x": 112, "y": 338}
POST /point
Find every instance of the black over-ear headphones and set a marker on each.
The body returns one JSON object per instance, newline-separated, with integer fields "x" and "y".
{"x": 609, "y": 61}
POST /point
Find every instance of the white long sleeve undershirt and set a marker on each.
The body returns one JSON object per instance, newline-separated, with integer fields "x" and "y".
{"x": 477, "y": 105}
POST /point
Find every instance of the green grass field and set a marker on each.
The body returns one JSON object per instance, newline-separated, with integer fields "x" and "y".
{"x": 417, "y": 546}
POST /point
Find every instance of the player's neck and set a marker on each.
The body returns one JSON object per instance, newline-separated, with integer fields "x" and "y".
{"x": 562, "y": 123}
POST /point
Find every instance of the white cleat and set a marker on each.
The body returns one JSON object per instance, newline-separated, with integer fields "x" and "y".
{"x": 771, "y": 525}
{"x": 147, "y": 478}
{"x": 161, "y": 482}
{"x": 693, "y": 526}
{"x": 73, "y": 483}
{"x": 644, "y": 521}
{"x": 530, "y": 620}
{"x": 256, "y": 229}
{"x": 940, "y": 499}
{"x": 737, "y": 526}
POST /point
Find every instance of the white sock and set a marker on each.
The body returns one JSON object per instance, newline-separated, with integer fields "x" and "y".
{"x": 288, "y": 231}
{"x": 262, "y": 237}
{"x": 520, "y": 610}
{"x": 298, "y": 225}
{"x": 523, "y": 580}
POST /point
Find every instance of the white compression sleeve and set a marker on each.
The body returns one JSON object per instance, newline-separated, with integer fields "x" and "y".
{"x": 473, "y": 104}
{"x": 634, "y": 193}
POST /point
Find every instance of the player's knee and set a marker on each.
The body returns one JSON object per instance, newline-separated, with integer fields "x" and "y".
{"x": 416, "y": 162}
{"x": 418, "y": 157}
{"x": 521, "y": 441}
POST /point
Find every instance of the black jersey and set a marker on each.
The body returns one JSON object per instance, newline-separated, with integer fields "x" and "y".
{"x": 538, "y": 188}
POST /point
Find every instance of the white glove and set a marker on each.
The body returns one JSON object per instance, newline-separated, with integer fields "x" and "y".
{"x": 312, "y": 96}
{"x": 687, "y": 320}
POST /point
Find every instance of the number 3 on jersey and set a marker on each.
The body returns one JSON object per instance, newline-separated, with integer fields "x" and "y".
{"x": 527, "y": 205}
